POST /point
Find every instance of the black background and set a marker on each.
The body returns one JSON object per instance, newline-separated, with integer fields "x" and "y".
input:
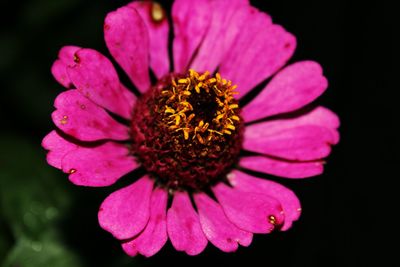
{"x": 346, "y": 219}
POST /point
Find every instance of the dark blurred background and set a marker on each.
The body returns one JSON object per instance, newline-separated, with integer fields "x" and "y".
{"x": 47, "y": 221}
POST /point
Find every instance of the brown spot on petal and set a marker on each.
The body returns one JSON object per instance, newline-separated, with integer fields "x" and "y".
{"x": 64, "y": 120}
{"x": 272, "y": 219}
{"x": 76, "y": 59}
{"x": 71, "y": 171}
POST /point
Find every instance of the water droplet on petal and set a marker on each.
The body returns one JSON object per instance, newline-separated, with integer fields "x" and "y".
{"x": 71, "y": 171}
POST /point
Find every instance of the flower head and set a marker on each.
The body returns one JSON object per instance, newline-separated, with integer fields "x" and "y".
{"x": 187, "y": 129}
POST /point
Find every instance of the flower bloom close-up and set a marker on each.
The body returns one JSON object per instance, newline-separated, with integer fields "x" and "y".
{"x": 188, "y": 126}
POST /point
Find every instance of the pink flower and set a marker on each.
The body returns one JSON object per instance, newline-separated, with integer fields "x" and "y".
{"x": 187, "y": 129}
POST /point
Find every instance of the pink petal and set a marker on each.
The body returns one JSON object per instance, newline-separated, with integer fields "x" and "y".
{"x": 125, "y": 212}
{"x": 59, "y": 68}
{"x": 225, "y": 27}
{"x": 318, "y": 116}
{"x": 292, "y": 88}
{"x": 59, "y": 71}
{"x": 100, "y": 165}
{"x": 58, "y": 147}
{"x": 184, "y": 227}
{"x": 130, "y": 97}
{"x": 217, "y": 228}
{"x": 288, "y": 200}
{"x": 252, "y": 212}
{"x": 127, "y": 40}
{"x": 260, "y": 50}
{"x": 154, "y": 236}
{"x": 191, "y": 22}
{"x": 81, "y": 118}
{"x": 67, "y": 53}
{"x": 307, "y": 142}
{"x": 282, "y": 168}
{"x": 95, "y": 77}
{"x": 158, "y": 35}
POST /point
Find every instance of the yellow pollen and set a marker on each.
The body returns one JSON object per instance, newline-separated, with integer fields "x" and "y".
{"x": 236, "y": 118}
{"x": 212, "y": 80}
{"x": 169, "y": 110}
{"x": 230, "y": 126}
{"x": 173, "y": 83}
{"x": 233, "y": 106}
{"x": 185, "y": 111}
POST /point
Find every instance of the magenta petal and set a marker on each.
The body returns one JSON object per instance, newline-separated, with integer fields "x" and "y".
{"x": 127, "y": 40}
{"x": 288, "y": 200}
{"x": 158, "y": 34}
{"x": 252, "y": 212}
{"x": 67, "y": 53}
{"x": 307, "y": 142}
{"x": 125, "y": 212}
{"x": 81, "y": 118}
{"x": 282, "y": 168}
{"x": 216, "y": 226}
{"x": 220, "y": 37}
{"x": 96, "y": 166}
{"x": 318, "y": 116}
{"x": 96, "y": 78}
{"x": 59, "y": 68}
{"x": 59, "y": 71}
{"x": 260, "y": 50}
{"x": 292, "y": 88}
{"x": 154, "y": 236}
{"x": 184, "y": 227}
{"x": 191, "y": 22}
{"x": 58, "y": 147}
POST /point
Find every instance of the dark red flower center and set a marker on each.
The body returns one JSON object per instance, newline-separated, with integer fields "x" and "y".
{"x": 187, "y": 131}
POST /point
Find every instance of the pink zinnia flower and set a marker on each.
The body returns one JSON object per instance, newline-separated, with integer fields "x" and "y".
{"x": 187, "y": 129}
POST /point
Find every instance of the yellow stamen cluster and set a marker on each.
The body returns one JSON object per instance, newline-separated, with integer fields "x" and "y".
{"x": 182, "y": 95}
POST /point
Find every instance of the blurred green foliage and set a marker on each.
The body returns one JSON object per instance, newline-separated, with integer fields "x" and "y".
{"x": 31, "y": 198}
